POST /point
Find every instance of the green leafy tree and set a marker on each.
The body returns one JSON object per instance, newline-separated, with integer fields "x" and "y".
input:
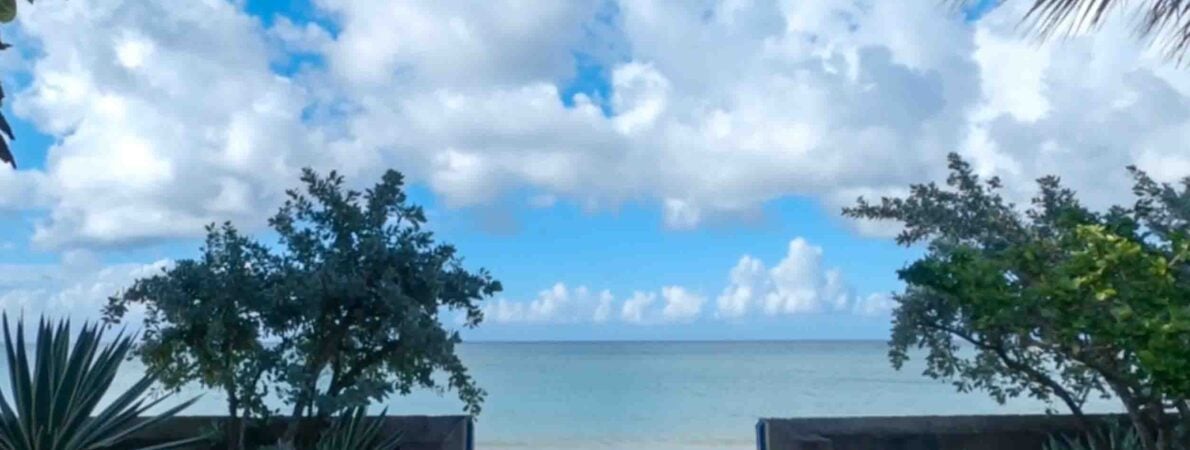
{"x": 1055, "y": 301}
{"x": 204, "y": 322}
{"x": 365, "y": 291}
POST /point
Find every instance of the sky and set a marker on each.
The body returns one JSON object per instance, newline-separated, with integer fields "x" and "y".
{"x": 647, "y": 170}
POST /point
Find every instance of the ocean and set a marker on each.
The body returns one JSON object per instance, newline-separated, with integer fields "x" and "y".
{"x": 676, "y": 395}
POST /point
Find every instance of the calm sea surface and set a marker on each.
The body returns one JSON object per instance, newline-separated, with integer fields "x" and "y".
{"x": 676, "y": 395}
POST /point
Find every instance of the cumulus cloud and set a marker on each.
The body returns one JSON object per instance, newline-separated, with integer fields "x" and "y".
{"x": 603, "y": 310}
{"x": 166, "y": 117}
{"x": 635, "y": 307}
{"x": 680, "y": 304}
{"x": 874, "y": 304}
{"x": 76, "y": 289}
{"x": 800, "y": 284}
{"x": 800, "y": 98}
{"x": 561, "y": 305}
{"x": 713, "y": 109}
{"x": 558, "y": 304}
{"x": 797, "y": 284}
{"x": 747, "y": 281}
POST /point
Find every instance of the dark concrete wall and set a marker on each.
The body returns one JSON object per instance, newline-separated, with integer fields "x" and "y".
{"x": 420, "y": 432}
{"x": 914, "y": 433}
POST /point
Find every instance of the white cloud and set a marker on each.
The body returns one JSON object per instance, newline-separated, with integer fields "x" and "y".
{"x": 21, "y": 189}
{"x": 681, "y": 215}
{"x": 558, "y": 304}
{"x": 168, "y": 117}
{"x": 680, "y": 304}
{"x": 76, "y": 289}
{"x": 635, "y": 308}
{"x": 746, "y": 282}
{"x": 874, "y": 304}
{"x": 800, "y": 98}
{"x": 797, "y": 284}
{"x": 308, "y": 38}
{"x": 640, "y": 96}
{"x": 563, "y": 305}
{"x": 604, "y": 310}
{"x": 455, "y": 43}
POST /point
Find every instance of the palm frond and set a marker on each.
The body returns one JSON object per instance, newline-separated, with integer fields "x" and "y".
{"x": 1165, "y": 22}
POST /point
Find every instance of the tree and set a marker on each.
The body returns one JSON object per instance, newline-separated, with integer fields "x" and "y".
{"x": 365, "y": 291}
{"x": 1165, "y": 21}
{"x": 1057, "y": 302}
{"x": 204, "y": 322}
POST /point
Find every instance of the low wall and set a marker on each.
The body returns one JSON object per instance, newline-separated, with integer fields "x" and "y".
{"x": 1023, "y": 432}
{"x": 419, "y": 432}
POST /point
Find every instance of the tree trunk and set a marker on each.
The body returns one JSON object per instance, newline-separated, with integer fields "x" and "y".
{"x": 1183, "y": 423}
{"x": 1146, "y": 433}
{"x": 235, "y": 425}
{"x": 303, "y": 409}
{"x": 295, "y": 418}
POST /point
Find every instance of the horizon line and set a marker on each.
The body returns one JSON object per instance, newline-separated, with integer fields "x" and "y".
{"x": 669, "y": 341}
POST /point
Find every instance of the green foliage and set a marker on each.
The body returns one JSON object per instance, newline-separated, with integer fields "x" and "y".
{"x": 204, "y": 322}
{"x": 8, "y": 10}
{"x": 354, "y": 300}
{"x": 1131, "y": 296}
{"x": 55, "y": 398}
{"x": 1056, "y": 301}
{"x": 364, "y": 288}
{"x": 354, "y": 431}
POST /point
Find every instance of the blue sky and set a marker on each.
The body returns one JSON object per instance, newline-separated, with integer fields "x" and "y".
{"x": 630, "y": 170}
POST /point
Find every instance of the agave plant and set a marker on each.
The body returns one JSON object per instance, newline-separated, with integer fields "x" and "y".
{"x": 354, "y": 431}
{"x": 351, "y": 431}
{"x": 1118, "y": 437}
{"x": 55, "y": 399}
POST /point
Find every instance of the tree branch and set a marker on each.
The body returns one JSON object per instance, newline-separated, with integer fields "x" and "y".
{"x": 1036, "y": 375}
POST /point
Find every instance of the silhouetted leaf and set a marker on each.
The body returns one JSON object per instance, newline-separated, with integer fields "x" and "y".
{"x": 6, "y": 155}
{"x": 8, "y": 10}
{"x": 6, "y": 128}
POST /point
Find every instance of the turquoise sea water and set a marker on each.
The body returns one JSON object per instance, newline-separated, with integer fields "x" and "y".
{"x": 677, "y": 395}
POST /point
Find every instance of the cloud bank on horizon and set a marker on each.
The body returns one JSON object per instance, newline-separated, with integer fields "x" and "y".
{"x": 165, "y": 118}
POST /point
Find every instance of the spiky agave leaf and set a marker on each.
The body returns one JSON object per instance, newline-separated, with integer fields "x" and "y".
{"x": 355, "y": 431}
{"x": 1117, "y": 435}
{"x": 54, "y": 399}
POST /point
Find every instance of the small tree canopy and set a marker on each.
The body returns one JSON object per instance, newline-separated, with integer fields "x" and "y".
{"x": 365, "y": 292}
{"x": 1056, "y": 301}
{"x": 204, "y": 321}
